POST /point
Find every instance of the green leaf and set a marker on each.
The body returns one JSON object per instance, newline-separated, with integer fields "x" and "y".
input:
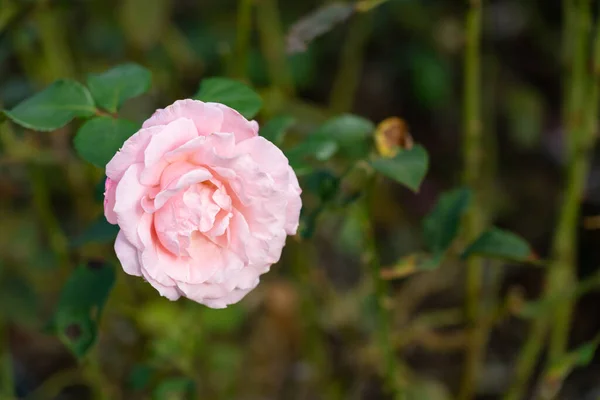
{"x": 275, "y": 129}
{"x": 174, "y": 389}
{"x": 100, "y": 231}
{"x": 231, "y": 93}
{"x": 441, "y": 226}
{"x": 408, "y": 167}
{"x": 346, "y": 133}
{"x": 111, "y": 88}
{"x": 345, "y": 129}
{"x": 54, "y": 107}
{"x": 100, "y": 138}
{"x": 498, "y": 243}
{"x": 80, "y": 305}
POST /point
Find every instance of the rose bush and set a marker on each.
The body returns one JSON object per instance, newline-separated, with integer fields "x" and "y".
{"x": 203, "y": 203}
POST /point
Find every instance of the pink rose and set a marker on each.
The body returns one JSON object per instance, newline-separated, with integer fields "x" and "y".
{"x": 204, "y": 204}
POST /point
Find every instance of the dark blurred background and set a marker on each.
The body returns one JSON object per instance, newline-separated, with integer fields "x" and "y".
{"x": 307, "y": 332}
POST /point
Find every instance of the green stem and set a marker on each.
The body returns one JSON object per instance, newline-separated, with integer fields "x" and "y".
{"x": 473, "y": 161}
{"x": 580, "y": 121}
{"x": 351, "y": 63}
{"x": 244, "y": 27}
{"x": 272, "y": 43}
{"x": 527, "y": 359}
{"x": 381, "y": 288}
{"x": 579, "y": 140}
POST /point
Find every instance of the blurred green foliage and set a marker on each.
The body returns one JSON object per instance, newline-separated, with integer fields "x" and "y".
{"x": 318, "y": 77}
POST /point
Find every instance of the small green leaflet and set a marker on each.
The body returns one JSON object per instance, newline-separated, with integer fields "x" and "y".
{"x": 54, "y": 107}
{"x": 111, "y": 88}
{"x": 441, "y": 226}
{"x": 231, "y": 93}
{"x": 498, "y": 243}
{"x": 408, "y": 167}
{"x": 100, "y": 138}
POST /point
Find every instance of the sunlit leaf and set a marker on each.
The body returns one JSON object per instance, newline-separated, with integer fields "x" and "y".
{"x": 408, "y": 167}
{"x": 100, "y": 138}
{"x": 111, "y": 88}
{"x": 80, "y": 305}
{"x": 441, "y": 226}
{"x": 231, "y": 93}
{"x": 498, "y": 243}
{"x": 54, "y": 107}
{"x": 275, "y": 129}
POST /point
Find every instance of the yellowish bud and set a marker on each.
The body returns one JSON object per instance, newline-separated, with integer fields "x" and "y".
{"x": 392, "y": 135}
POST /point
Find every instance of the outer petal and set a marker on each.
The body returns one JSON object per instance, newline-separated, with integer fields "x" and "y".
{"x": 206, "y": 117}
{"x": 128, "y": 208}
{"x": 109, "y": 201}
{"x": 132, "y": 152}
{"x": 269, "y": 157}
{"x": 294, "y": 204}
{"x": 234, "y": 122}
{"x": 127, "y": 255}
{"x": 231, "y": 298}
{"x": 170, "y": 292}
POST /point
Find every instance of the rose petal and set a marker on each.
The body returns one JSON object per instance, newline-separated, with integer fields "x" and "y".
{"x": 206, "y": 117}
{"x": 171, "y": 137}
{"x": 234, "y": 122}
{"x": 109, "y": 201}
{"x": 132, "y": 152}
{"x": 128, "y": 209}
{"x": 127, "y": 255}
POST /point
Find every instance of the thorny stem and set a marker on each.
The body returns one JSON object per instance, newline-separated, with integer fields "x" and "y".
{"x": 579, "y": 141}
{"x": 580, "y": 115}
{"x": 473, "y": 162}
